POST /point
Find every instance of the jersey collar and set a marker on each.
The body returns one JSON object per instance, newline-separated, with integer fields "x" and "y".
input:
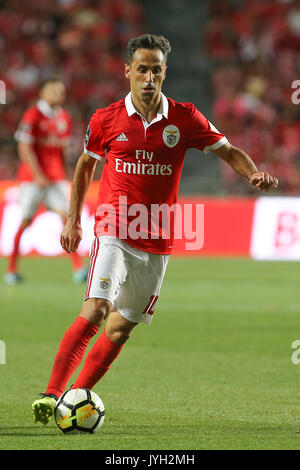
{"x": 46, "y": 109}
{"x": 162, "y": 111}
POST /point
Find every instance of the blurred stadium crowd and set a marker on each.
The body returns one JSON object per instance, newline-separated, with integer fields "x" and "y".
{"x": 253, "y": 47}
{"x": 80, "y": 41}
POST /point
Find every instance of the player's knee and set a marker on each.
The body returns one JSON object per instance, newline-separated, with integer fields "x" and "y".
{"x": 101, "y": 310}
{"x": 96, "y": 310}
{"x": 118, "y": 333}
{"x": 118, "y": 329}
{"x": 118, "y": 336}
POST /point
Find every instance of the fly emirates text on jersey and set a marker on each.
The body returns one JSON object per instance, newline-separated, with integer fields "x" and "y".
{"x": 143, "y": 165}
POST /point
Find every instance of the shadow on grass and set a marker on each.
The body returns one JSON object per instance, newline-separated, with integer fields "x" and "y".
{"x": 28, "y": 431}
{"x": 204, "y": 433}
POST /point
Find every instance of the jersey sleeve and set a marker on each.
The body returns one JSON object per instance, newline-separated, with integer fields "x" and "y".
{"x": 94, "y": 145}
{"x": 203, "y": 134}
{"x": 26, "y": 131}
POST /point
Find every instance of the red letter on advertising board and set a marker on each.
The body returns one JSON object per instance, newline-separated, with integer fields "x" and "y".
{"x": 286, "y": 230}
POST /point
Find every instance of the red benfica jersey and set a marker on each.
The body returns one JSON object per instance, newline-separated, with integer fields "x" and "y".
{"x": 48, "y": 131}
{"x": 143, "y": 164}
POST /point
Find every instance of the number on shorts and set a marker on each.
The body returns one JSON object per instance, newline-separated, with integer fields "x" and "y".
{"x": 151, "y": 305}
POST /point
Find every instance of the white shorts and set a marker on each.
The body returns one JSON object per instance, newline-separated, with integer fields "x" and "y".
{"x": 129, "y": 278}
{"x": 55, "y": 197}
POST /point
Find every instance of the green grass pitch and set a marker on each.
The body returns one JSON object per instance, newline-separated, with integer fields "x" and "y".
{"x": 214, "y": 370}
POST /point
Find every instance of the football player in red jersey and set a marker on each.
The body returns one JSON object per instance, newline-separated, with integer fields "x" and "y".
{"x": 42, "y": 136}
{"x": 143, "y": 139}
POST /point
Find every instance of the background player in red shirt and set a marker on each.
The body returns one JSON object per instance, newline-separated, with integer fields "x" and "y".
{"x": 143, "y": 139}
{"x": 42, "y": 137}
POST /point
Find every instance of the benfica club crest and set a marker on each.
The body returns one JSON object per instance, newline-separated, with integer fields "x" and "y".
{"x": 171, "y": 135}
{"x": 104, "y": 283}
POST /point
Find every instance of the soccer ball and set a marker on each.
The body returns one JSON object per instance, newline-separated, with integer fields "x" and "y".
{"x": 79, "y": 410}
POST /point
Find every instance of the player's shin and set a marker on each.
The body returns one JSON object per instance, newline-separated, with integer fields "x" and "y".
{"x": 70, "y": 354}
{"x": 12, "y": 263}
{"x": 76, "y": 260}
{"x": 98, "y": 362}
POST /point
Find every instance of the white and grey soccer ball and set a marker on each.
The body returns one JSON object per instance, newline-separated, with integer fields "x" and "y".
{"x": 79, "y": 410}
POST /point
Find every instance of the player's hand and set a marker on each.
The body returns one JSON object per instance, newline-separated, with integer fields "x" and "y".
{"x": 263, "y": 181}
{"x": 71, "y": 236}
{"x": 42, "y": 181}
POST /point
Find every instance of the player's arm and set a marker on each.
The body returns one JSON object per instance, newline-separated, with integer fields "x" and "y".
{"x": 242, "y": 164}
{"x": 27, "y": 155}
{"x": 83, "y": 176}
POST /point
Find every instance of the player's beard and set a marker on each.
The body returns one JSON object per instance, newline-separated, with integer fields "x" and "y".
{"x": 148, "y": 98}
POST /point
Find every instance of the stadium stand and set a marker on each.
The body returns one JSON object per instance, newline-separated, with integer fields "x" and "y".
{"x": 235, "y": 59}
{"x": 77, "y": 40}
{"x": 254, "y": 48}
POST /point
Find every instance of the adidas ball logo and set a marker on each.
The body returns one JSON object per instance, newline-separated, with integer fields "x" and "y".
{"x": 122, "y": 138}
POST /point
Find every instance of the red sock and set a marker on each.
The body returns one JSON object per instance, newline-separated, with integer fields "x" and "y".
{"x": 70, "y": 353}
{"x": 12, "y": 263}
{"x": 76, "y": 261}
{"x": 97, "y": 362}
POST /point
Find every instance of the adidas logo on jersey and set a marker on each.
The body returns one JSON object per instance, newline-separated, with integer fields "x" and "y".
{"x": 121, "y": 138}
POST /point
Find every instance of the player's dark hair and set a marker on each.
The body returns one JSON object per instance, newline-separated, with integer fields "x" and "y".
{"x": 148, "y": 41}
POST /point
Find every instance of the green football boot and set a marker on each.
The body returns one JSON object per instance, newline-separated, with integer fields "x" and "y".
{"x": 43, "y": 408}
